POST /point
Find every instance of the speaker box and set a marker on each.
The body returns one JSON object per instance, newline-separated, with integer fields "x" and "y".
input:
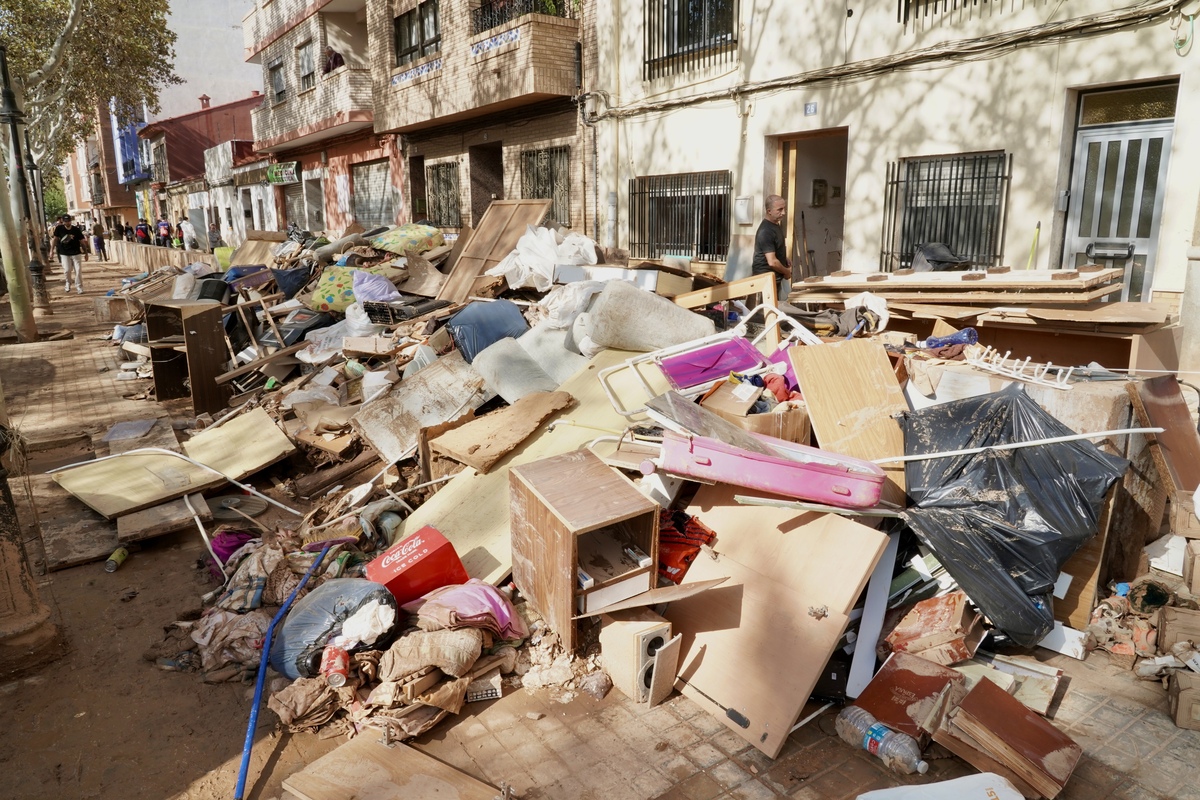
{"x": 630, "y": 644}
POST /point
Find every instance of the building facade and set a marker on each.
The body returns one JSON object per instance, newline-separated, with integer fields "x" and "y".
{"x": 998, "y": 130}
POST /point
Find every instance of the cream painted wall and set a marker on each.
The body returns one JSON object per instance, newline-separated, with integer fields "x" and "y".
{"x": 1022, "y": 102}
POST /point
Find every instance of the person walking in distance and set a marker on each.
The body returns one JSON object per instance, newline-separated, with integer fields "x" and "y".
{"x": 163, "y": 228}
{"x": 98, "y": 242}
{"x": 142, "y": 231}
{"x": 68, "y": 243}
{"x": 770, "y": 249}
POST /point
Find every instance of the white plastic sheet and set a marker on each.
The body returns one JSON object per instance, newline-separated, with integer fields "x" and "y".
{"x": 538, "y": 250}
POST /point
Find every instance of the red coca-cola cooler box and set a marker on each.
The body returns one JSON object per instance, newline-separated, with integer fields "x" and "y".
{"x": 417, "y": 565}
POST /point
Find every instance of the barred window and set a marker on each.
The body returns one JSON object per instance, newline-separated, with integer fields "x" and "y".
{"x": 418, "y": 32}
{"x": 960, "y": 201}
{"x": 685, "y": 34}
{"x": 681, "y": 215}
{"x": 441, "y": 189}
{"x": 546, "y": 175}
{"x": 306, "y": 61}
{"x": 277, "y": 81}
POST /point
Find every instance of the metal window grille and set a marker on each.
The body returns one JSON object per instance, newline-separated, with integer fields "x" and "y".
{"x": 97, "y": 192}
{"x": 158, "y": 165}
{"x": 546, "y": 175}
{"x": 960, "y": 201}
{"x": 908, "y": 10}
{"x": 681, "y": 215}
{"x": 418, "y": 32}
{"x": 682, "y": 35}
{"x": 441, "y": 182}
{"x": 494, "y": 13}
{"x": 306, "y": 60}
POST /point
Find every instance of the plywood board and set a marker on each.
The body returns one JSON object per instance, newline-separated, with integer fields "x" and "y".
{"x": 851, "y": 393}
{"x": 424, "y": 279}
{"x": 937, "y": 281}
{"x": 132, "y": 482}
{"x": 438, "y": 393}
{"x": 996, "y": 297}
{"x": 666, "y": 669}
{"x": 1119, "y": 313}
{"x": 752, "y": 646}
{"x": 472, "y": 510}
{"x": 932, "y": 311}
{"x": 366, "y": 768}
{"x": 1161, "y": 401}
{"x": 167, "y": 518}
{"x": 484, "y": 441}
{"x": 654, "y": 597}
{"x": 501, "y": 226}
{"x": 72, "y": 533}
{"x": 789, "y": 575}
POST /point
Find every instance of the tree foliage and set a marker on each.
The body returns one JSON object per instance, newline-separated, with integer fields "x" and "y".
{"x": 69, "y": 58}
{"x": 54, "y": 195}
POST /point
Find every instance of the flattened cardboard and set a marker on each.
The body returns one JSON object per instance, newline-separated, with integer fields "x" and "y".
{"x": 904, "y": 692}
{"x": 944, "y": 630}
{"x": 1183, "y": 698}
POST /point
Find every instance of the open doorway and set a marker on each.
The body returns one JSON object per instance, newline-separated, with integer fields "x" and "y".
{"x": 487, "y": 177}
{"x": 811, "y": 176}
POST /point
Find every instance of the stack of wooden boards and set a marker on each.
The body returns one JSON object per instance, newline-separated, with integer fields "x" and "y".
{"x": 999, "y": 286}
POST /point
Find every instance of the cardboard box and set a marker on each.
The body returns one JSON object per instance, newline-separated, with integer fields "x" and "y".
{"x": 1177, "y": 625}
{"x": 791, "y": 425}
{"x": 1183, "y": 698}
{"x": 417, "y": 565}
{"x": 1183, "y": 516}
{"x": 1191, "y": 567}
{"x": 944, "y": 630}
{"x": 733, "y": 399}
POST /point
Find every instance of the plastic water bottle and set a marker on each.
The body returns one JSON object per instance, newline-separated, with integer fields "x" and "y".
{"x": 899, "y": 751}
{"x": 965, "y": 336}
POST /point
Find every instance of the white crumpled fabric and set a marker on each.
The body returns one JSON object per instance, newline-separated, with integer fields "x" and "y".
{"x": 369, "y": 287}
{"x": 538, "y": 251}
{"x": 873, "y": 303}
{"x": 566, "y": 302}
{"x": 366, "y": 625}
{"x": 228, "y": 638}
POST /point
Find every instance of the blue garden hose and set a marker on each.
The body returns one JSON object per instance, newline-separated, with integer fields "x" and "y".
{"x": 240, "y": 789}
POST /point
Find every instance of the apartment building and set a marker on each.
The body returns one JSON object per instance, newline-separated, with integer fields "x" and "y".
{"x": 890, "y": 125}
{"x": 316, "y": 122}
{"x": 482, "y": 96}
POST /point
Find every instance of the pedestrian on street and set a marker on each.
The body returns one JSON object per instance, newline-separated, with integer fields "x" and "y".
{"x": 98, "y": 242}
{"x": 770, "y": 248}
{"x": 163, "y": 233}
{"x": 187, "y": 232}
{"x": 68, "y": 243}
{"x": 119, "y": 231}
{"x": 142, "y": 231}
{"x": 214, "y": 237}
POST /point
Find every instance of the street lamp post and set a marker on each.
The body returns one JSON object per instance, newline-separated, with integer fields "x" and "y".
{"x": 11, "y": 114}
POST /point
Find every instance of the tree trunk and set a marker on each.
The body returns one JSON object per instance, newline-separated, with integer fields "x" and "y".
{"x": 16, "y": 269}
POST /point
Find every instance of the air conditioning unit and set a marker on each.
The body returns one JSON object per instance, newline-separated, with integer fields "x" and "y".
{"x": 638, "y": 653}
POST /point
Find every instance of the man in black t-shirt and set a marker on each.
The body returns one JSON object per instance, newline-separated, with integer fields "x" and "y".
{"x": 68, "y": 243}
{"x": 770, "y": 249}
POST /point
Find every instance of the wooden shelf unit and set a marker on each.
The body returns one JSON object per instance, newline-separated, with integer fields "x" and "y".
{"x": 187, "y": 342}
{"x": 556, "y": 501}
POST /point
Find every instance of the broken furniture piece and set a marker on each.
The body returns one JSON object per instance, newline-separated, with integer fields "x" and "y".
{"x": 188, "y": 352}
{"x": 990, "y": 360}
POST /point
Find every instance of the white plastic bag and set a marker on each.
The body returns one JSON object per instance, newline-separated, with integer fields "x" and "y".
{"x": 358, "y": 323}
{"x": 566, "y": 302}
{"x": 531, "y": 264}
{"x": 373, "y": 288}
{"x": 324, "y": 343}
{"x": 984, "y": 786}
{"x": 320, "y": 394}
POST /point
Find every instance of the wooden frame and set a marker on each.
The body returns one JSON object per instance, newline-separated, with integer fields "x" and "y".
{"x": 499, "y": 229}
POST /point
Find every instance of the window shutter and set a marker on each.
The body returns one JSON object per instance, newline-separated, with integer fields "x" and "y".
{"x": 372, "y": 194}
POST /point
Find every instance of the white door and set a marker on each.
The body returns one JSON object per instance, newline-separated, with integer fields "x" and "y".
{"x": 1117, "y": 184}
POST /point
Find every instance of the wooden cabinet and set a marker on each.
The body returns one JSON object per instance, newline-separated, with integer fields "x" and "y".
{"x": 187, "y": 352}
{"x": 573, "y": 512}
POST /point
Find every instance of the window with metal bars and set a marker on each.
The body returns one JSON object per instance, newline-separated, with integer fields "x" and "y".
{"x": 681, "y": 215}
{"x": 546, "y": 175}
{"x": 909, "y": 10}
{"x": 417, "y": 32}
{"x": 960, "y": 201}
{"x": 306, "y": 64}
{"x": 441, "y": 193}
{"x": 681, "y": 35}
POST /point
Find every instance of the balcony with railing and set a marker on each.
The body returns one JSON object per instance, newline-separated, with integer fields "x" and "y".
{"x": 501, "y": 54}
{"x": 340, "y": 102}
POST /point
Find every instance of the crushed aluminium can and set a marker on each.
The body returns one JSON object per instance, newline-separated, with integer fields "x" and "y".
{"x": 116, "y": 559}
{"x": 335, "y": 665}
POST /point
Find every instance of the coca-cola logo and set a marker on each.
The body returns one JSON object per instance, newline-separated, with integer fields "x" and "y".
{"x": 403, "y": 551}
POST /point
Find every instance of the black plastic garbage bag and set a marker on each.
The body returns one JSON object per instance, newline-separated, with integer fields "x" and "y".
{"x": 1003, "y": 522}
{"x": 317, "y": 617}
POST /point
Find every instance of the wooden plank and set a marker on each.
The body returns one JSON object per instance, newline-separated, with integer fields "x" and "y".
{"x": 72, "y": 534}
{"x": 997, "y": 297}
{"x": 851, "y": 393}
{"x": 1163, "y": 404}
{"x": 167, "y": 518}
{"x": 1023, "y": 279}
{"x": 438, "y": 393}
{"x": 366, "y": 768}
{"x": 132, "y": 482}
{"x": 226, "y": 377}
{"x": 472, "y": 510}
{"x": 663, "y": 594}
{"x": 932, "y": 311}
{"x": 1017, "y": 737}
{"x": 484, "y": 441}
{"x": 1119, "y": 313}
{"x": 755, "y": 284}
{"x": 501, "y": 226}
